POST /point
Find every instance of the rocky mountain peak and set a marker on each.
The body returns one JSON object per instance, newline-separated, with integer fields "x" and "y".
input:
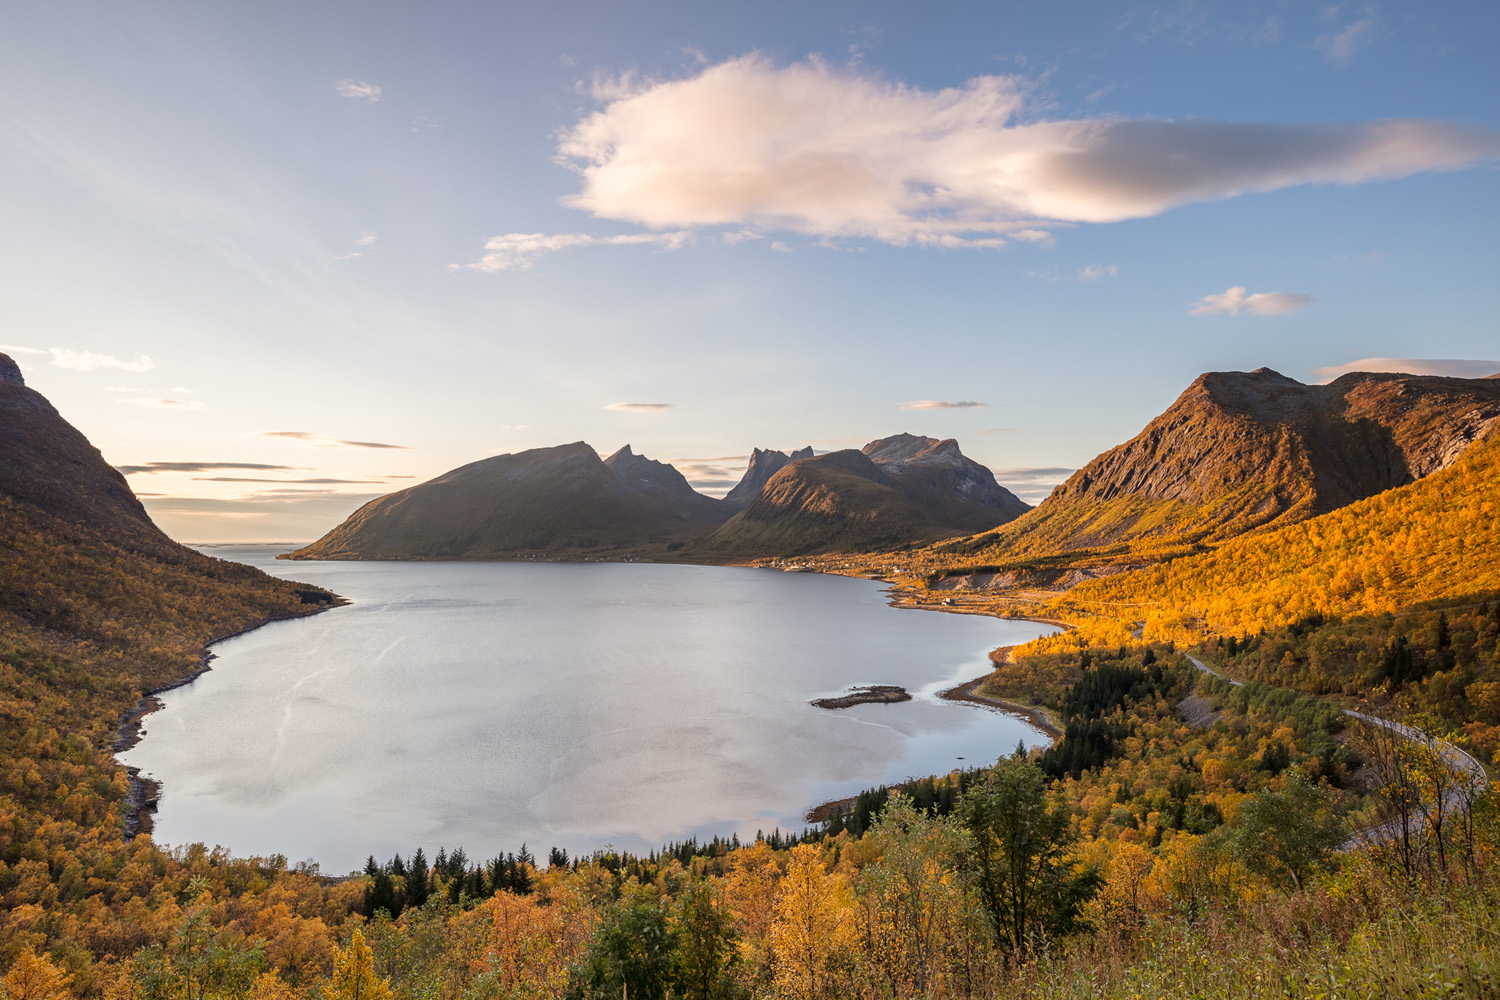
{"x": 10, "y": 372}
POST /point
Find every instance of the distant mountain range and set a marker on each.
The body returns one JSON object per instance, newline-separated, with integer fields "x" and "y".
{"x": 568, "y": 502}
{"x": 1240, "y": 452}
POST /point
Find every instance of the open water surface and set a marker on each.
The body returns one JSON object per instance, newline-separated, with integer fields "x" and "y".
{"x": 577, "y": 705}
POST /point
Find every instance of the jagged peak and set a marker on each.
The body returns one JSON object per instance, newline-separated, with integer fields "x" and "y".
{"x": 807, "y": 452}
{"x": 10, "y": 372}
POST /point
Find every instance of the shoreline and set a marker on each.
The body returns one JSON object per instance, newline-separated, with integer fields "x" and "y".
{"x": 141, "y": 800}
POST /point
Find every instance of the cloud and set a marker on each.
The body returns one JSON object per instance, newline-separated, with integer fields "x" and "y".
{"x": 151, "y": 467}
{"x": 639, "y": 407}
{"x": 1095, "y": 272}
{"x": 1449, "y": 367}
{"x": 358, "y": 89}
{"x": 325, "y": 482}
{"x": 1234, "y": 301}
{"x": 164, "y": 404}
{"x": 319, "y": 441}
{"x": 837, "y": 153}
{"x": 84, "y": 361}
{"x": 1339, "y": 47}
{"x": 518, "y": 251}
{"x": 366, "y": 239}
{"x": 1032, "y": 485}
{"x": 938, "y": 404}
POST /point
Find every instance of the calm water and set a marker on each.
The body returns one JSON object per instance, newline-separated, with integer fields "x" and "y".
{"x": 486, "y": 704}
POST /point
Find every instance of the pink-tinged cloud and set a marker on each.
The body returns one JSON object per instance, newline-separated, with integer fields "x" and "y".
{"x": 1448, "y": 367}
{"x": 1233, "y": 301}
{"x": 940, "y": 404}
{"x": 832, "y": 152}
{"x": 638, "y": 407}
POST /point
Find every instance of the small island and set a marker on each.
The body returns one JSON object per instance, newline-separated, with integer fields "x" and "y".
{"x": 871, "y": 694}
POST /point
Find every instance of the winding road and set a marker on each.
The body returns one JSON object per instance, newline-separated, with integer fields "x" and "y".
{"x": 1459, "y": 760}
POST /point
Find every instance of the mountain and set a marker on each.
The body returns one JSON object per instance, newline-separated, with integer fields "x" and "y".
{"x": 1240, "y": 452}
{"x": 896, "y": 491}
{"x": 664, "y": 484}
{"x": 553, "y": 501}
{"x": 763, "y": 465}
{"x": 1429, "y": 543}
{"x": 47, "y": 465}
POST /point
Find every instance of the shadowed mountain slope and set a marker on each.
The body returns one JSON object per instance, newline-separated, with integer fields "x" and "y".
{"x": 554, "y": 501}
{"x": 48, "y": 465}
{"x": 1240, "y": 452}
{"x": 897, "y": 491}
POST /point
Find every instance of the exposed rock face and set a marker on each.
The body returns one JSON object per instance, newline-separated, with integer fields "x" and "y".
{"x": 948, "y": 484}
{"x": 561, "y": 500}
{"x": 763, "y": 465}
{"x": 896, "y": 491}
{"x": 46, "y": 463}
{"x": 1242, "y": 451}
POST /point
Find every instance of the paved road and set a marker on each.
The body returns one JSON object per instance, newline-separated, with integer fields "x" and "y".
{"x": 1457, "y": 759}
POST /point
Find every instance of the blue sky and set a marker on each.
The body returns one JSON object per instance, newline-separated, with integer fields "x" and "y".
{"x": 251, "y": 241}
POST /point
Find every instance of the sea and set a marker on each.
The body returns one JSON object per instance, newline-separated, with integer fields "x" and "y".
{"x": 584, "y": 706}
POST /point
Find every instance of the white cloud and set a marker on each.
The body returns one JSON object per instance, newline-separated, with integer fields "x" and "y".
{"x": 938, "y": 404}
{"x": 366, "y": 239}
{"x": 518, "y": 251}
{"x": 87, "y": 361}
{"x": 1340, "y": 47}
{"x": 740, "y": 236}
{"x": 311, "y": 440}
{"x": 1449, "y": 367}
{"x": 1234, "y": 301}
{"x": 18, "y": 349}
{"x": 165, "y": 404}
{"x": 1094, "y": 272}
{"x": 782, "y": 247}
{"x": 358, "y": 89}
{"x": 835, "y": 153}
{"x": 639, "y": 407}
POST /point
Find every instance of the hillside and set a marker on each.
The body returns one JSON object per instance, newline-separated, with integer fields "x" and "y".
{"x": 762, "y": 466}
{"x": 96, "y": 607}
{"x": 1240, "y": 452}
{"x": 553, "y": 501}
{"x": 1433, "y": 541}
{"x": 895, "y": 492}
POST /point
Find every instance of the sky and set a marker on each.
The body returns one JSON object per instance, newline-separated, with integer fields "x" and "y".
{"x": 277, "y": 259}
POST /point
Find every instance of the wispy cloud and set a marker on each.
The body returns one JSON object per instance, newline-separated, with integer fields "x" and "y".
{"x": 324, "y": 482}
{"x": 519, "y": 251}
{"x": 150, "y": 467}
{"x": 1448, "y": 367}
{"x": 312, "y": 440}
{"x": 366, "y": 239}
{"x": 1097, "y": 272}
{"x": 639, "y": 407}
{"x": 1234, "y": 301}
{"x": 358, "y": 89}
{"x": 84, "y": 361}
{"x": 1032, "y": 485}
{"x": 1339, "y": 47}
{"x": 939, "y": 404}
{"x": 830, "y": 152}
{"x": 164, "y": 404}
